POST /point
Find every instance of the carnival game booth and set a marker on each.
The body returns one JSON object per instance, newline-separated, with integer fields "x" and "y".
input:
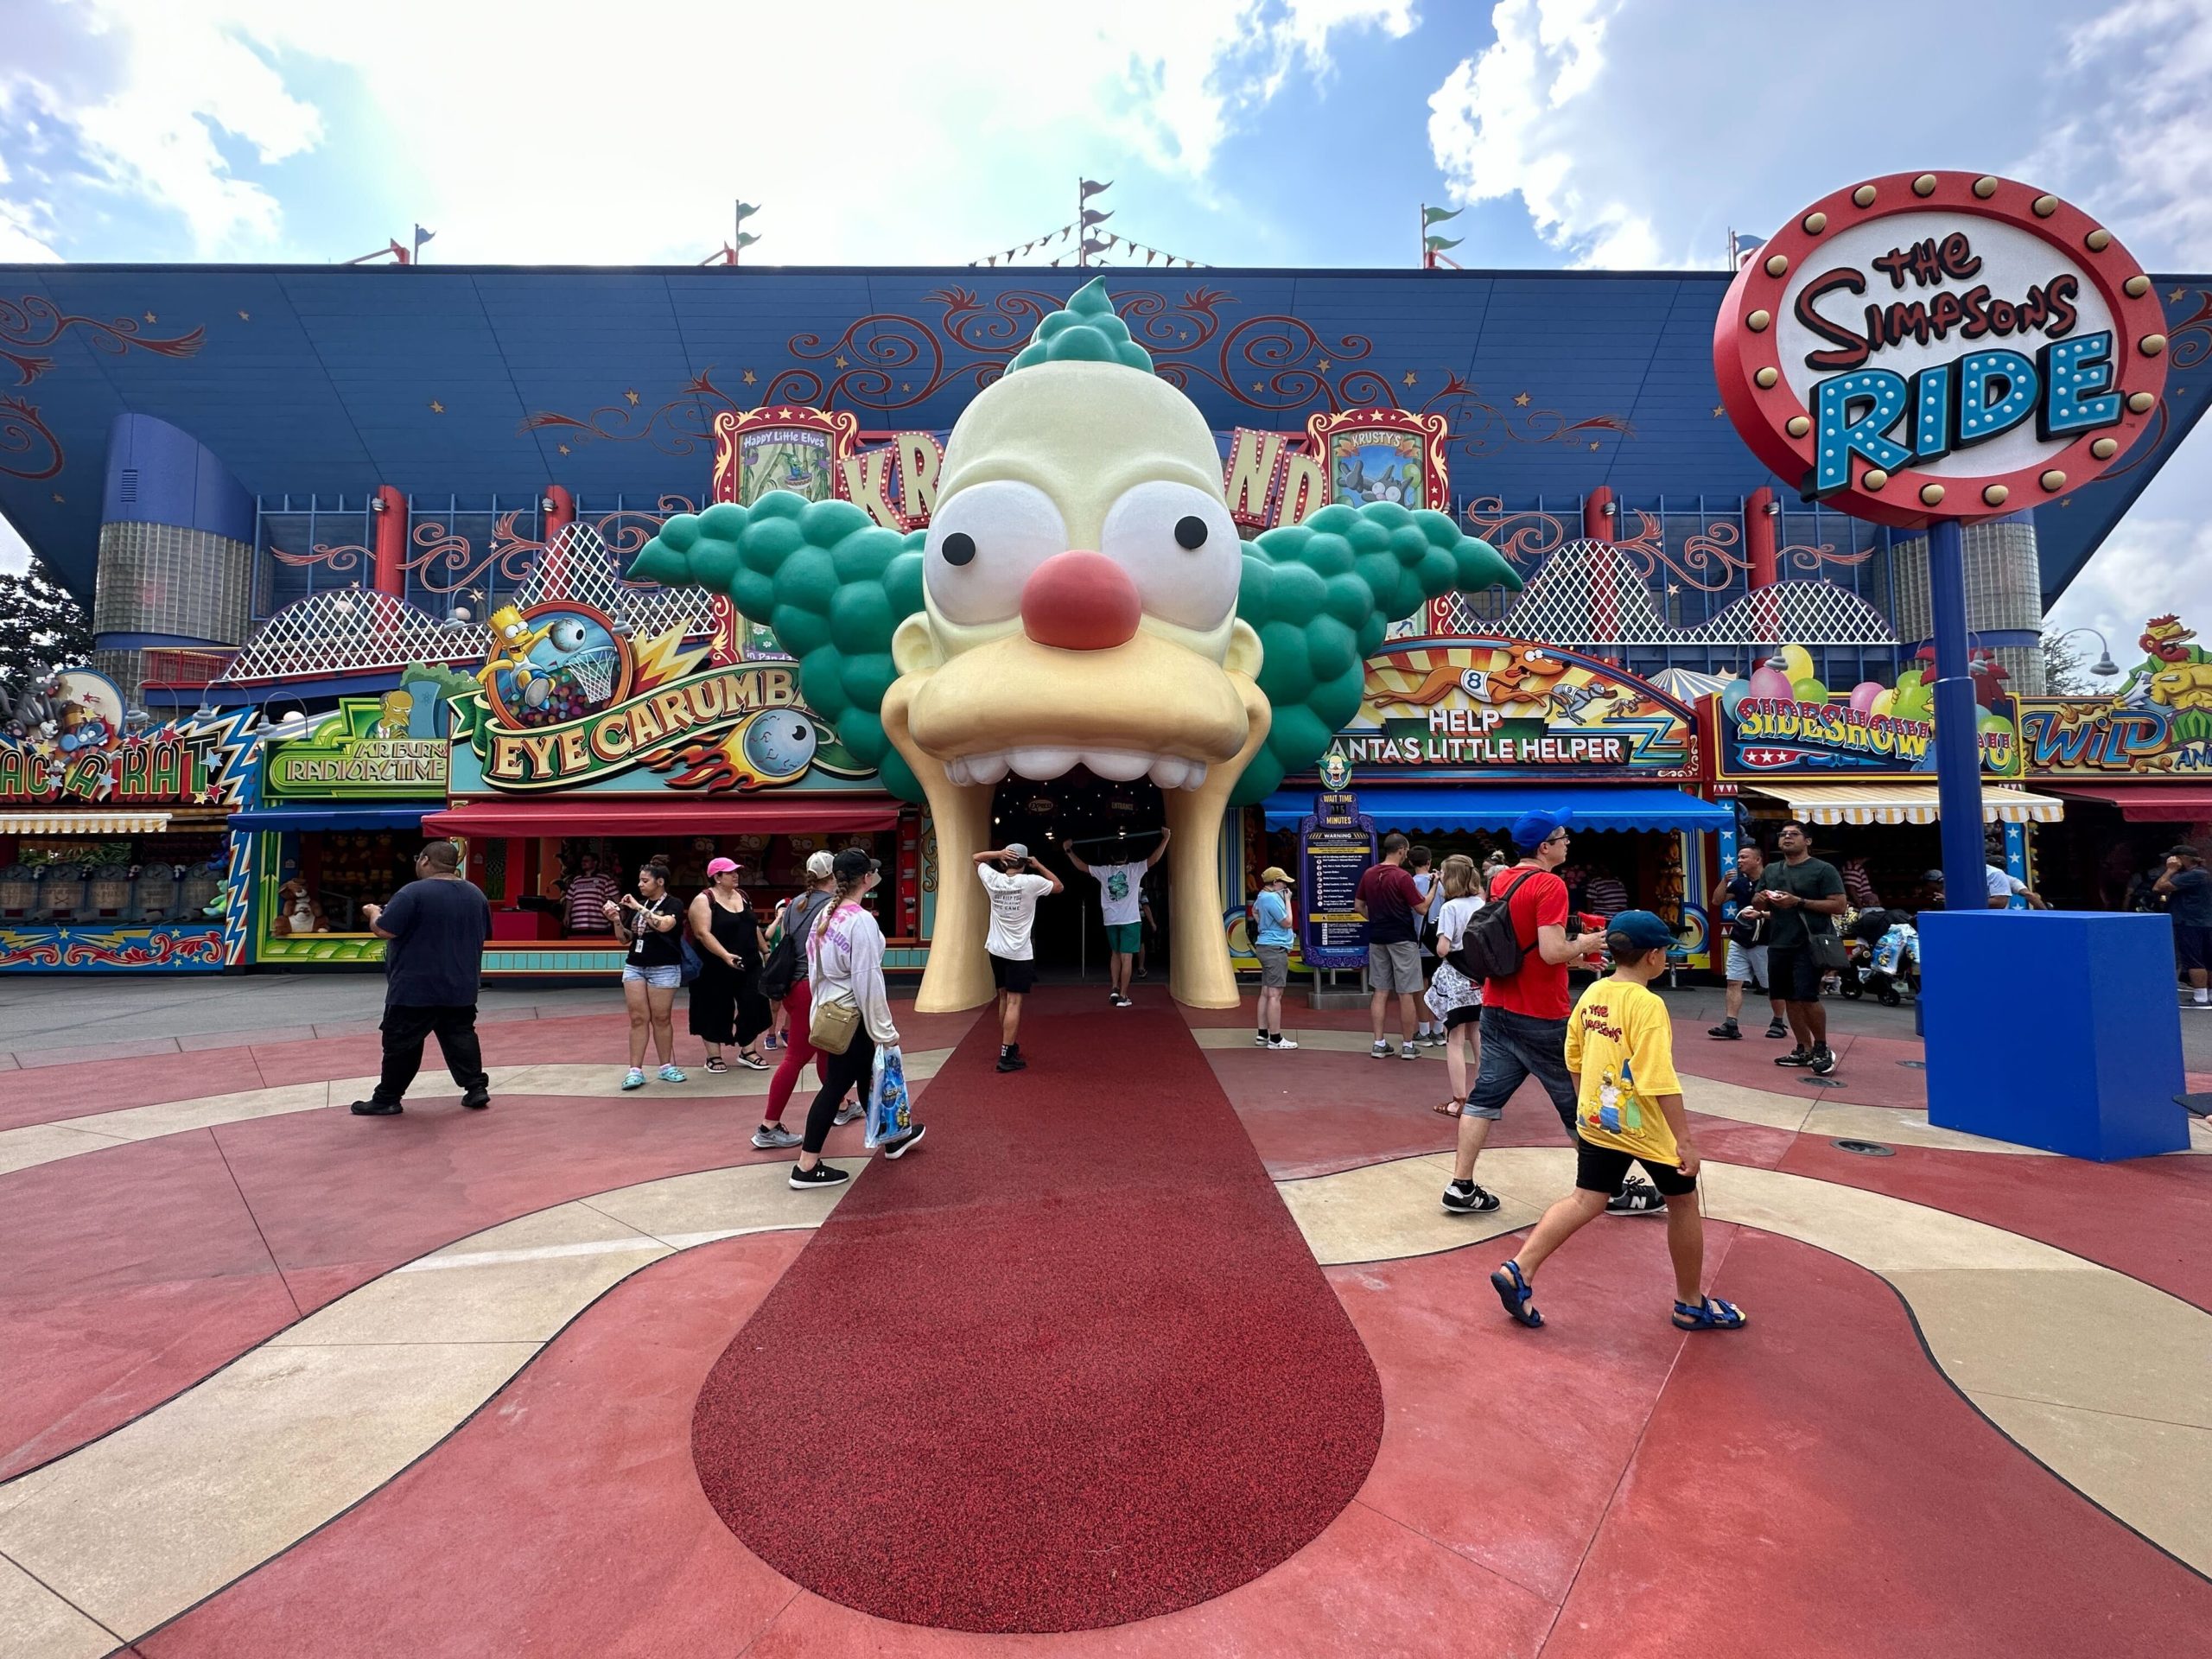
{"x": 337, "y": 821}
{"x": 115, "y": 851}
{"x": 1456, "y": 738}
{"x": 579, "y": 738}
{"x": 1859, "y": 768}
{"x": 2135, "y": 769}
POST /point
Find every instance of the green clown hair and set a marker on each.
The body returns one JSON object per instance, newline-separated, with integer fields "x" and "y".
{"x": 1319, "y": 595}
{"x": 832, "y": 584}
{"x": 835, "y": 586}
{"x": 1086, "y": 331}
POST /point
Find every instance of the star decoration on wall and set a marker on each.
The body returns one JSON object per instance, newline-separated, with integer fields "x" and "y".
{"x": 1408, "y": 376}
{"x": 1672, "y": 589}
{"x": 1718, "y": 410}
{"x": 57, "y": 498}
{"x": 246, "y": 316}
{"x": 632, "y": 397}
{"x": 1255, "y": 386}
{"x": 1323, "y": 366}
{"x": 1519, "y": 400}
{"x": 436, "y": 407}
{"x": 2173, "y": 296}
{"x": 841, "y": 361}
{"x": 150, "y": 317}
{"x": 750, "y": 376}
{"x": 1593, "y": 443}
{"x": 562, "y": 448}
{"x": 1184, "y": 335}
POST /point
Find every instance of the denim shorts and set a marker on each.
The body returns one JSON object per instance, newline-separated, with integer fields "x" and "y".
{"x": 1516, "y": 1047}
{"x": 661, "y": 979}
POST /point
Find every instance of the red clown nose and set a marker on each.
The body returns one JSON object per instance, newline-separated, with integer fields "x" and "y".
{"x": 1080, "y": 601}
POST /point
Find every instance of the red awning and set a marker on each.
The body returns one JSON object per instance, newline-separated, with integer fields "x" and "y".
{"x": 2143, "y": 802}
{"x": 706, "y": 814}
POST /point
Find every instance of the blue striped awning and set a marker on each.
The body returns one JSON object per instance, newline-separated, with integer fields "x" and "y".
{"x": 1483, "y": 806}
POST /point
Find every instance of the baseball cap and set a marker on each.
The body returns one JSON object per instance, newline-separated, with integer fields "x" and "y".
{"x": 2183, "y": 851}
{"x": 820, "y": 864}
{"x": 1272, "y": 875}
{"x": 1015, "y": 849}
{"x": 716, "y": 866}
{"x": 1531, "y": 829}
{"x": 1640, "y": 930}
{"x": 853, "y": 863}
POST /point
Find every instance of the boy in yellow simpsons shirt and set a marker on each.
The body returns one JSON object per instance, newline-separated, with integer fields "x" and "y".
{"x": 1620, "y": 1046}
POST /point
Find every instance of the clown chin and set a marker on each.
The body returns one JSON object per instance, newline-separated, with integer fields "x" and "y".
{"x": 961, "y": 790}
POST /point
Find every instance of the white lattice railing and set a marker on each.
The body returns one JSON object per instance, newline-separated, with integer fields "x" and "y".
{"x": 350, "y": 631}
{"x": 1799, "y": 613}
{"x": 580, "y": 568}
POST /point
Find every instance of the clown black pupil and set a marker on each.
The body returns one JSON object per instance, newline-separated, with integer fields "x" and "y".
{"x": 1190, "y": 532}
{"x": 959, "y": 547}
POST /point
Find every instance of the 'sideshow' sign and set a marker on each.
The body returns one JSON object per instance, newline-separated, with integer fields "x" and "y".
{"x": 1941, "y": 345}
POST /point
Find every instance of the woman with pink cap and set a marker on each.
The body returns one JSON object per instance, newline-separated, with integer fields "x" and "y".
{"x": 727, "y": 1006}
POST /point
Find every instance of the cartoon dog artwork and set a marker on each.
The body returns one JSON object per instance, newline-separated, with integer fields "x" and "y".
{"x": 1080, "y": 599}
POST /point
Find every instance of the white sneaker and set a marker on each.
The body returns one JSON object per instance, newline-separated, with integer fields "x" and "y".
{"x": 1281, "y": 1043}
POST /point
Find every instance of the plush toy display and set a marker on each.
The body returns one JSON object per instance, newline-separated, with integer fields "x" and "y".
{"x": 1080, "y": 598}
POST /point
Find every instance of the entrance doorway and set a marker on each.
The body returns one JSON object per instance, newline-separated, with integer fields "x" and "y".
{"x": 1110, "y": 823}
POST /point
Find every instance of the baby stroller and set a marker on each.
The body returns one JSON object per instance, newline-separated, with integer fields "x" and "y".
{"x": 1894, "y": 959}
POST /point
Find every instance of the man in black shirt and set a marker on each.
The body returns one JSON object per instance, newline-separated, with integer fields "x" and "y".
{"x": 1801, "y": 897}
{"x": 437, "y": 925}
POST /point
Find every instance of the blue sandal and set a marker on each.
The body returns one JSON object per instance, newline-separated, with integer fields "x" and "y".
{"x": 1711, "y": 1314}
{"x": 1515, "y": 1291}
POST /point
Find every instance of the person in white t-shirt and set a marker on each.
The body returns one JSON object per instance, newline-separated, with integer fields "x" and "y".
{"x": 1120, "y": 900}
{"x": 1015, "y": 882}
{"x": 1454, "y": 999}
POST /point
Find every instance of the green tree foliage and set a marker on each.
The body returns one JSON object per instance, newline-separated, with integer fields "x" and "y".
{"x": 42, "y": 626}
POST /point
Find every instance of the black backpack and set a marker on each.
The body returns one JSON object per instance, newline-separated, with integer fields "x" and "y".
{"x": 1489, "y": 948}
{"x": 780, "y": 970}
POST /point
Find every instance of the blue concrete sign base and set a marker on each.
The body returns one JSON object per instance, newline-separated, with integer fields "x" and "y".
{"x": 2054, "y": 1029}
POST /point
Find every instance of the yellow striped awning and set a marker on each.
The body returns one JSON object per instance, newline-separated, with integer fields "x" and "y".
{"x": 92, "y": 823}
{"x": 1904, "y": 803}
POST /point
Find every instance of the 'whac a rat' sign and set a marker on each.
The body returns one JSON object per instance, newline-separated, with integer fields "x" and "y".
{"x": 1940, "y": 345}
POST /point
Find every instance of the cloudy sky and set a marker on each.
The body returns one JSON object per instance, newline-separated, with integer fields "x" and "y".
{"x": 1623, "y": 133}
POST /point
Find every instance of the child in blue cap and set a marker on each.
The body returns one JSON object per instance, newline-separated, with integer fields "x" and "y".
{"x": 1620, "y": 1047}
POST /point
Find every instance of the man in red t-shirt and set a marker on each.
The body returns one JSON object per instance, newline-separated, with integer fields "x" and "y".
{"x": 1393, "y": 906}
{"x": 1523, "y": 1025}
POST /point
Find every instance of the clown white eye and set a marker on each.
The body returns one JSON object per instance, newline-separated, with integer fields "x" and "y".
{"x": 982, "y": 544}
{"x": 1180, "y": 546}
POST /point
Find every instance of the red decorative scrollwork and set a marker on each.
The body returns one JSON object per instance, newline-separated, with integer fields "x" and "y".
{"x": 1525, "y": 539}
{"x": 22, "y": 433}
{"x": 1707, "y": 562}
{"x": 337, "y": 560}
{"x": 1808, "y": 556}
{"x": 35, "y": 321}
{"x": 2189, "y": 343}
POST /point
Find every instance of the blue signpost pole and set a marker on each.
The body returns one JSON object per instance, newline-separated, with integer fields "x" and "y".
{"x": 1958, "y": 741}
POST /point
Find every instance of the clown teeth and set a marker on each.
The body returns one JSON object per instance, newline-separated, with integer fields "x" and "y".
{"x": 1041, "y": 764}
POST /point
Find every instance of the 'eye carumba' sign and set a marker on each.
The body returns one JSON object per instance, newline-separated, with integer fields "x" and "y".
{"x": 1940, "y": 345}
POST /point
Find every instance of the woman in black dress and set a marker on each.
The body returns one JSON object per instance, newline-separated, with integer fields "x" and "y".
{"x": 727, "y": 1006}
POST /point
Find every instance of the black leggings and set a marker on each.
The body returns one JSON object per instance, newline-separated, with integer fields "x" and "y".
{"x": 842, "y": 1072}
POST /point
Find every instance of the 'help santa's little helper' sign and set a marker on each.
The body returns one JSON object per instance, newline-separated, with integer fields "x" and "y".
{"x": 1940, "y": 345}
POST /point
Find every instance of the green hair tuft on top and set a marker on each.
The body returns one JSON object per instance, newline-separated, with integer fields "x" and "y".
{"x": 1084, "y": 330}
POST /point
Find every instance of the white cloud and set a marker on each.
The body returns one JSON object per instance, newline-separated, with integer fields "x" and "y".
{"x": 21, "y": 241}
{"x": 568, "y": 137}
{"x": 15, "y": 553}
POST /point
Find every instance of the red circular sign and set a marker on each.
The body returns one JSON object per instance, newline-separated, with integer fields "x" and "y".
{"x": 1940, "y": 345}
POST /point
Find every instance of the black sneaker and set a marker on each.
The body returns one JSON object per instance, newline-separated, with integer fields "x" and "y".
{"x": 820, "y": 1175}
{"x": 1798, "y": 1056}
{"x": 1466, "y": 1198}
{"x": 1636, "y": 1198}
{"x": 1823, "y": 1060}
{"x": 477, "y": 1099}
{"x": 1010, "y": 1061}
{"x": 1778, "y": 1027}
{"x": 1726, "y": 1029}
{"x": 904, "y": 1143}
{"x": 373, "y": 1108}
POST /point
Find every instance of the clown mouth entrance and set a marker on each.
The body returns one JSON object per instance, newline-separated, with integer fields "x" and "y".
{"x": 1110, "y": 822}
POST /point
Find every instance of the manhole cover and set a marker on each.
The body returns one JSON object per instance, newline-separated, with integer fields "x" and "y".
{"x": 1826, "y": 1083}
{"x": 1866, "y": 1148}
{"x": 1914, "y": 1065}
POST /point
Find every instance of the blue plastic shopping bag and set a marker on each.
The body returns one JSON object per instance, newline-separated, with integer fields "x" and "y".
{"x": 890, "y": 1109}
